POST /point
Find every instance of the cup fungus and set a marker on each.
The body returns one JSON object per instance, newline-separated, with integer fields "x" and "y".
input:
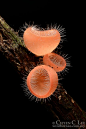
{"x": 54, "y": 60}
{"x": 42, "y": 81}
{"x": 41, "y": 42}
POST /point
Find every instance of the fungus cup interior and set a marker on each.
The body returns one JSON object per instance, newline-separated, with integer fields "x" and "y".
{"x": 55, "y": 61}
{"x": 41, "y": 42}
{"x": 42, "y": 81}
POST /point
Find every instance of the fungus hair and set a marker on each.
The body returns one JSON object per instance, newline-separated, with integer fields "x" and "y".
{"x": 68, "y": 64}
{"x": 24, "y": 27}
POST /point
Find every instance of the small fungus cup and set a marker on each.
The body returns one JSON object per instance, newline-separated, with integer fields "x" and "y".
{"x": 55, "y": 61}
{"x": 41, "y": 42}
{"x": 42, "y": 81}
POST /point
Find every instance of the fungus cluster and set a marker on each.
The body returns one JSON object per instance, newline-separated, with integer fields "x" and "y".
{"x": 42, "y": 81}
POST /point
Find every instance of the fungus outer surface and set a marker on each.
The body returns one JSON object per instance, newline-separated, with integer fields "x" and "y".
{"x": 41, "y": 42}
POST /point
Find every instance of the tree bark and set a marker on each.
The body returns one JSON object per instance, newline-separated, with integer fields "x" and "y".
{"x": 62, "y": 106}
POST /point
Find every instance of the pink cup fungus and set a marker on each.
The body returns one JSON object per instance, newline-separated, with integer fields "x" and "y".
{"x": 42, "y": 81}
{"x": 54, "y": 60}
{"x": 41, "y": 42}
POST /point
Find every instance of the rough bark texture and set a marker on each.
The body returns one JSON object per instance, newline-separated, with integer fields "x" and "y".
{"x": 62, "y": 106}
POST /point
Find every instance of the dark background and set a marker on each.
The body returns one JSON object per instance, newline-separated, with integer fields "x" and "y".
{"x": 16, "y": 107}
